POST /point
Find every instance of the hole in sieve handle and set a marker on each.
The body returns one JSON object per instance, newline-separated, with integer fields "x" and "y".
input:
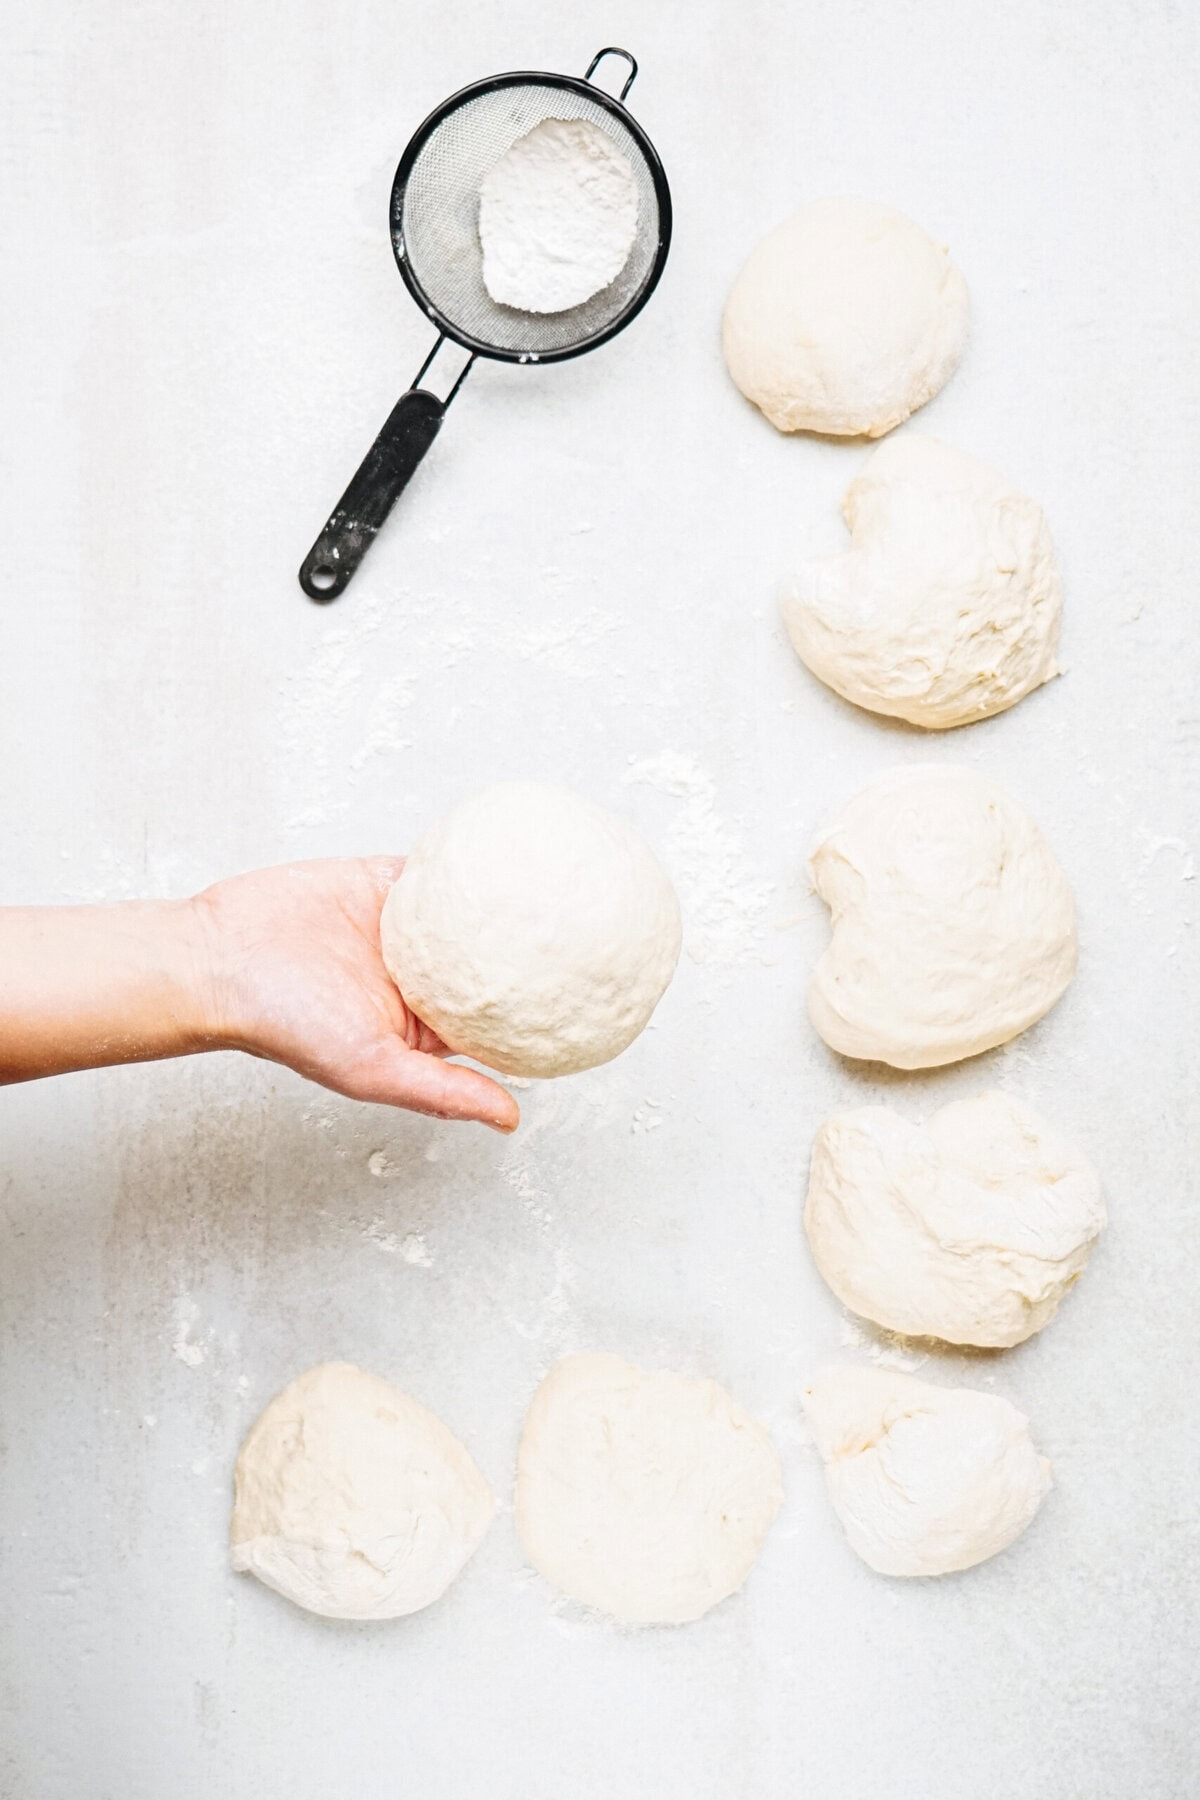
{"x": 613, "y": 50}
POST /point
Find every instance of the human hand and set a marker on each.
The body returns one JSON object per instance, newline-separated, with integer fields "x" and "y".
{"x": 297, "y": 976}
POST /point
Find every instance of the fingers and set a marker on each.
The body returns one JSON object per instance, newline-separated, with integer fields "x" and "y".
{"x": 383, "y": 870}
{"x": 426, "y": 1084}
{"x": 428, "y": 1039}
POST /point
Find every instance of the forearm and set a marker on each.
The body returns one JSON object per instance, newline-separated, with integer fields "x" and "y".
{"x": 82, "y": 986}
{"x": 282, "y": 963}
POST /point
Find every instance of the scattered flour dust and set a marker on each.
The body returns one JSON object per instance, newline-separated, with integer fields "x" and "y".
{"x": 551, "y": 1312}
{"x": 345, "y": 713}
{"x": 327, "y": 730}
{"x": 186, "y": 1312}
{"x": 723, "y": 899}
{"x": 1153, "y": 847}
{"x": 312, "y": 699}
{"x": 646, "y": 1117}
{"x": 411, "y": 1246}
{"x": 886, "y": 1348}
{"x": 554, "y": 1112}
{"x": 386, "y": 722}
{"x": 562, "y": 643}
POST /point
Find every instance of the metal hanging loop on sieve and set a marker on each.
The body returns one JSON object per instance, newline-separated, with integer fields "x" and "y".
{"x": 613, "y": 50}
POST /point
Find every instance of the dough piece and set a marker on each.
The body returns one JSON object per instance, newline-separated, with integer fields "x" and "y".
{"x": 532, "y": 929}
{"x": 352, "y": 1500}
{"x": 646, "y": 1496}
{"x": 845, "y": 319}
{"x": 970, "y": 1228}
{"x": 924, "y": 1479}
{"x": 953, "y": 925}
{"x": 557, "y": 217}
{"x": 947, "y": 608}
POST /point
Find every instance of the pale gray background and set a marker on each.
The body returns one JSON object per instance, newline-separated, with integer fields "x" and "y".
{"x": 203, "y": 328}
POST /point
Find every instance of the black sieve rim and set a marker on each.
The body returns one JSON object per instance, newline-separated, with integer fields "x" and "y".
{"x": 662, "y": 193}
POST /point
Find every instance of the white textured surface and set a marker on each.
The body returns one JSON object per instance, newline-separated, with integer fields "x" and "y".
{"x": 203, "y": 328}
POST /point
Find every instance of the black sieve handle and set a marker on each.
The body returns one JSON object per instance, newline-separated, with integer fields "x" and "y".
{"x": 384, "y": 473}
{"x": 382, "y": 477}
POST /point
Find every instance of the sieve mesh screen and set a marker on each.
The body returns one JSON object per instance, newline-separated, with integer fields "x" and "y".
{"x": 437, "y": 230}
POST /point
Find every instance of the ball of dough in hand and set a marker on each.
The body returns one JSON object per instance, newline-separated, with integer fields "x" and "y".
{"x": 924, "y": 1479}
{"x": 947, "y": 607}
{"x": 645, "y": 1496}
{"x": 353, "y": 1500}
{"x": 532, "y": 930}
{"x": 845, "y": 319}
{"x": 953, "y": 924}
{"x": 970, "y": 1228}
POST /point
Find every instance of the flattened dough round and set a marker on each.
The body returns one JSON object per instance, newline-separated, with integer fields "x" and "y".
{"x": 645, "y": 1496}
{"x": 947, "y": 607}
{"x": 532, "y": 929}
{"x": 845, "y": 319}
{"x": 924, "y": 1479}
{"x": 969, "y": 1228}
{"x": 353, "y": 1500}
{"x": 953, "y": 924}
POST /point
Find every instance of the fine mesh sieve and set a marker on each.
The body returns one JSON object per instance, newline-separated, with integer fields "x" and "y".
{"x": 435, "y": 236}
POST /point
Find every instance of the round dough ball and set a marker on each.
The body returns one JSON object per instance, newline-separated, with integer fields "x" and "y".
{"x": 646, "y": 1496}
{"x": 924, "y": 1479}
{"x": 970, "y": 1228}
{"x": 845, "y": 319}
{"x": 953, "y": 925}
{"x": 947, "y": 608}
{"x": 353, "y": 1500}
{"x": 557, "y": 217}
{"x": 532, "y": 930}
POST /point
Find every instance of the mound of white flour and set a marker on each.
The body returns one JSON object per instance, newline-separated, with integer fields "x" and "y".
{"x": 557, "y": 217}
